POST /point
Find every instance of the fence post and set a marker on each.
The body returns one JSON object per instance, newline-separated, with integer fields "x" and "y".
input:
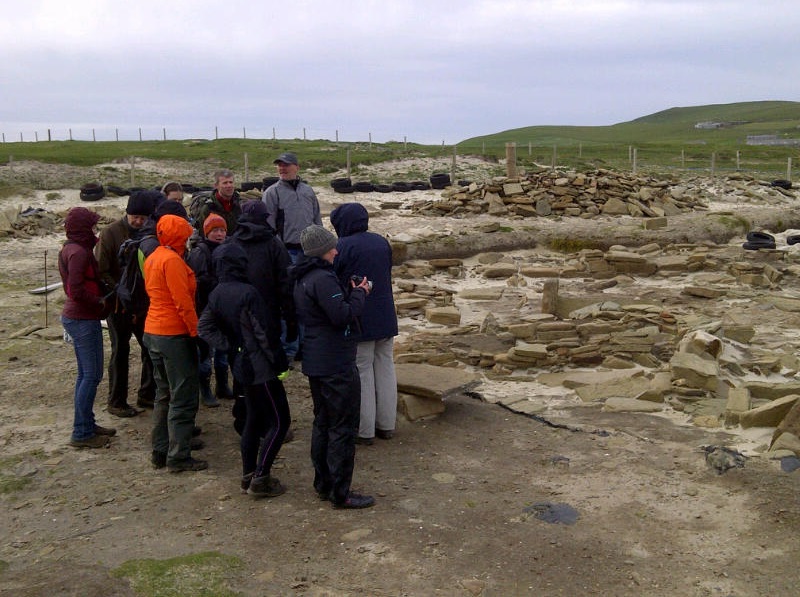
{"x": 738, "y": 155}
{"x": 348, "y": 163}
{"x": 683, "y": 159}
{"x": 789, "y": 169}
{"x": 554, "y": 159}
{"x": 20, "y": 136}
{"x": 246, "y": 167}
{"x": 48, "y": 135}
{"x": 133, "y": 168}
{"x": 36, "y": 136}
{"x": 337, "y": 135}
{"x": 140, "y": 133}
{"x": 94, "y": 138}
{"x": 116, "y": 134}
{"x": 216, "y": 133}
{"x": 164, "y": 131}
{"x": 530, "y": 149}
{"x": 304, "y": 133}
{"x": 580, "y": 150}
{"x": 633, "y": 160}
{"x": 713, "y": 162}
{"x": 70, "y": 134}
{"x": 630, "y": 153}
{"x": 453, "y": 165}
{"x": 370, "y": 141}
{"x": 511, "y": 160}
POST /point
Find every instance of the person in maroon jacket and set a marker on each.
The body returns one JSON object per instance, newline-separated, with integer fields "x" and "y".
{"x": 84, "y": 308}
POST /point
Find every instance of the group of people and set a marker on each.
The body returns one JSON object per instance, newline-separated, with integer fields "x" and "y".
{"x": 246, "y": 285}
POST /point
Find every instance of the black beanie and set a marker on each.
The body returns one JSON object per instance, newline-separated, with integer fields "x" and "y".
{"x": 170, "y": 207}
{"x": 142, "y": 203}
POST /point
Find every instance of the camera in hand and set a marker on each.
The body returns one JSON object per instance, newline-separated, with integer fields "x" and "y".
{"x": 358, "y": 279}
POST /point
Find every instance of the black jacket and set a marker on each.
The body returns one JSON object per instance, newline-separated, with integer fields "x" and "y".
{"x": 267, "y": 265}
{"x": 329, "y": 314}
{"x": 200, "y": 260}
{"x": 235, "y": 320}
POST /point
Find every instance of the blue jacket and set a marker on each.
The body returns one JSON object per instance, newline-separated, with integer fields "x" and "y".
{"x": 367, "y": 254}
{"x": 329, "y": 313}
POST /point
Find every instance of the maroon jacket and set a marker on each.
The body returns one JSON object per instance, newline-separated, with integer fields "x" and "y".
{"x": 78, "y": 267}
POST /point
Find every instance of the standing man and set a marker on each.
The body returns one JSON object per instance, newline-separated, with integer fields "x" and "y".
{"x": 292, "y": 206}
{"x": 223, "y": 200}
{"x": 121, "y": 324}
{"x": 364, "y": 253}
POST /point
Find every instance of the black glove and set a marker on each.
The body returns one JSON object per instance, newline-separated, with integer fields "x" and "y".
{"x": 291, "y": 331}
{"x": 202, "y": 348}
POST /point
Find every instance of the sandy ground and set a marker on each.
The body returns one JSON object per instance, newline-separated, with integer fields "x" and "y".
{"x": 460, "y": 498}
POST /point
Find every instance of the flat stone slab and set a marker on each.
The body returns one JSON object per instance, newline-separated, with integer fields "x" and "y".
{"x": 431, "y": 381}
{"x": 576, "y": 379}
{"x": 481, "y": 293}
{"x": 631, "y": 405}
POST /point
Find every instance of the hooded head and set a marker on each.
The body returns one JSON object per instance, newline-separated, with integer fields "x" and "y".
{"x": 350, "y": 218}
{"x": 174, "y": 208}
{"x": 316, "y": 241}
{"x": 255, "y": 210}
{"x": 230, "y": 263}
{"x": 173, "y": 232}
{"x": 79, "y": 225}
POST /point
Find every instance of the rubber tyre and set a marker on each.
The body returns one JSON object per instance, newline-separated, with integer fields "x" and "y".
{"x": 759, "y": 237}
{"x": 364, "y": 187}
{"x": 341, "y": 182}
{"x": 188, "y": 188}
{"x": 756, "y": 245}
{"x": 464, "y": 183}
{"x": 420, "y": 185}
{"x": 793, "y": 239}
{"x": 249, "y": 186}
{"x": 117, "y": 191}
{"x": 92, "y": 191}
{"x": 268, "y": 181}
{"x": 401, "y": 187}
{"x": 782, "y": 183}
{"x": 383, "y": 188}
{"x": 349, "y": 189}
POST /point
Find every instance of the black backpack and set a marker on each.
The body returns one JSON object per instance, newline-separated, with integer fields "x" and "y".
{"x": 130, "y": 289}
{"x": 199, "y": 200}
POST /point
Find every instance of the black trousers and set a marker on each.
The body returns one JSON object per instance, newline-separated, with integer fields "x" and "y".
{"x": 120, "y": 329}
{"x": 337, "y": 407}
{"x": 266, "y": 422}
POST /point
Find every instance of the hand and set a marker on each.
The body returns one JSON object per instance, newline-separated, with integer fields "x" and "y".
{"x": 291, "y": 331}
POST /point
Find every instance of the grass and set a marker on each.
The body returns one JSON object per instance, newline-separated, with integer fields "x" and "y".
{"x": 10, "y": 483}
{"x": 200, "y": 575}
{"x": 664, "y": 142}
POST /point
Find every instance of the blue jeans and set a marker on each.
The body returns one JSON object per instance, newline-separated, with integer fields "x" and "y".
{"x": 219, "y": 358}
{"x": 87, "y": 339}
{"x": 292, "y": 348}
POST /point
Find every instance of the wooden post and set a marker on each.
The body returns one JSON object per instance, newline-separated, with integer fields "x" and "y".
{"x": 93, "y": 136}
{"x": 511, "y": 160}
{"x": 738, "y": 156}
{"x": 453, "y": 165}
{"x": 683, "y": 159}
{"x": 273, "y": 133}
{"x": 244, "y": 133}
{"x": 789, "y": 169}
{"x": 20, "y": 136}
{"x": 337, "y": 135}
{"x": 304, "y": 133}
{"x": 4, "y": 137}
{"x": 630, "y": 153}
{"x": 633, "y": 169}
{"x": 45, "y": 289}
{"x": 348, "y": 163}
{"x": 216, "y": 133}
{"x": 116, "y": 134}
{"x": 713, "y": 162}
{"x": 370, "y": 141}
{"x": 246, "y": 167}
{"x": 483, "y": 147}
{"x": 140, "y": 133}
{"x": 405, "y": 143}
{"x": 530, "y": 148}
{"x": 48, "y": 135}
{"x": 164, "y": 133}
{"x": 36, "y": 136}
{"x": 70, "y": 134}
{"x": 133, "y": 169}
{"x": 580, "y": 150}
{"x": 555, "y": 158}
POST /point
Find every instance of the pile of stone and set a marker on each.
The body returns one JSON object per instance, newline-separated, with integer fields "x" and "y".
{"x": 584, "y": 195}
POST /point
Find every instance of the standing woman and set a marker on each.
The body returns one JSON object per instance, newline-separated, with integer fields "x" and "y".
{"x": 170, "y": 334}
{"x": 83, "y": 310}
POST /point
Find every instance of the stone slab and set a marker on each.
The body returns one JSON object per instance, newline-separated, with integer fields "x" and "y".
{"x": 431, "y": 381}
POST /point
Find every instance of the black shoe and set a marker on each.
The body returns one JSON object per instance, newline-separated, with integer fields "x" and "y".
{"x": 364, "y": 441}
{"x": 123, "y": 412}
{"x": 246, "y": 479}
{"x": 197, "y": 444}
{"x": 190, "y": 464}
{"x": 158, "y": 459}
{"x": 324, "y": 496}
{"x": 265, "y": 486}
{"x": 143, "y": 403}
{"x": 355, "y": 501}
{"x": 107, "y": 431}
{"x": 95, "y": 441}
{"x": 196, "y": 431}
{"x": 384, "y": 433}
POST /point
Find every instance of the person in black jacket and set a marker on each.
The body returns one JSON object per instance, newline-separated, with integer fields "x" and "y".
{"x": 235, "y": 320}
{"x": 329, "y": 311}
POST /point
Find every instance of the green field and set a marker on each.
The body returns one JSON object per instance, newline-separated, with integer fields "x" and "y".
{"x": 665, "y": 141}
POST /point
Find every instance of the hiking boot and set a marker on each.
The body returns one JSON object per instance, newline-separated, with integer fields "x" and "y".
{"x": 144, "y": 403}
{"x": 265, "y": 487}
{"x": 196, "y": 430}
{"x": 384, "y": 433}
{"x": 197, "y": 444}
{"x": 107, "y": 431}
{"x": 206, "y": 397}
{"x": 364, "y": 441}
{"x": 190, "y": 464}
{"x": 95, "y": 441}
{"x": 355, "y": 501}
{"x": 123, "y": 412}
{"x": 158, "y": 459}
{"x": 246, "y": 479}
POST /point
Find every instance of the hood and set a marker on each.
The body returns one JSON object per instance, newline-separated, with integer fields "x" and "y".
{"x": 230, "y": 263}
{"x": 173, "y": 232}
{"x": 253, "y": 228}
{"x": 350, "y": 218}
{"x": 304, "y": 265}
{"x": 79, "y": 223}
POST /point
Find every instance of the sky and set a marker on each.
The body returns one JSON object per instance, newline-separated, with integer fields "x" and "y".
{"x": 425, "y": 71}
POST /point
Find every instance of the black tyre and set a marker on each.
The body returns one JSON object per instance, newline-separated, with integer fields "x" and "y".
{"x": 116, "y": 191}
{"x": 759, "y": 237}
{"x": 793, "y": 239}
{"x": 347, "y": 189}
{"x": 188, "y": 188}
{"x": 755, "y": 245}
{"x": 268, "y": 181}
{"x": 249, "y": 186}
{"x": 383, "y": 188}
{"x": 782, "y": 183}
{"x": 419, "y": 185}
{"x": 364, "y": 187}
{"x": 401, "y": 187}
{"x": 92, "y": 191}
{"x": 464, "y": 183}
{"x": 440, "y": 181}
{"x": 341, "y": 182}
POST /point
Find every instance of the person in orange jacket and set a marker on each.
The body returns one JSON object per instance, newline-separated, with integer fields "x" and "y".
{"x": 170, "y": 334}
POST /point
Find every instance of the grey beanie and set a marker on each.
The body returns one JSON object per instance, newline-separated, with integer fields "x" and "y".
{"x": 316, "y": 241}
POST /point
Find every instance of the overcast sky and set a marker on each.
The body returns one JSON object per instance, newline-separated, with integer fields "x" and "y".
{"x": 431, "y": 71}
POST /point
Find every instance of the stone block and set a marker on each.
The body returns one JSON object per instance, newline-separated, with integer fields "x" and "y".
{"x": 443, "y": 315}
{"x": 770, "y": 414}
{"x": 414, "y": 407}
{"x": 697, "y": 371}
{"x": 654, "y": 223}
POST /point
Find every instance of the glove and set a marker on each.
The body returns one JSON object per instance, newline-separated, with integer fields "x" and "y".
{"x": 202, "y": 348}
{"x": 291, "y": 331}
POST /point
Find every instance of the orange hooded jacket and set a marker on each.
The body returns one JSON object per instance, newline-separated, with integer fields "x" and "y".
{"x": 170, "y": 282}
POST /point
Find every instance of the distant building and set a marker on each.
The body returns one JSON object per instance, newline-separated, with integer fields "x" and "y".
{"x": 770, "y": 140}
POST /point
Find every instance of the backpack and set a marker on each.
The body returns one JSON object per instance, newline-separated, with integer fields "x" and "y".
{"x": 130, "y": 289}
{"x": 199, "y": 200}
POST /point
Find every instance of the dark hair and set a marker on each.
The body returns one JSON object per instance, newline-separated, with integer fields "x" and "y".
{"x": 170, "y": 187}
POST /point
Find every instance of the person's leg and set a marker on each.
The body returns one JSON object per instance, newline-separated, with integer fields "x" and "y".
{"x": 385, "y": 388}
{"x": 364, "y": 361}
{"x": 223, "y": 388}
{"x": 87, "y": 340}
{"x": 277, "y": 420}
{"x": 255, "y": 424}
{"x": 147, "y": 381}
{"x": 342, "y": 395}
{"x": 204, "y": 374}
{"x": 160, "y": 432}
{"x": 120, "y": 329}
{"x": 319, "y": 439}
{"x": 180, "y": 361}
{"x": 291, "y": 348}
